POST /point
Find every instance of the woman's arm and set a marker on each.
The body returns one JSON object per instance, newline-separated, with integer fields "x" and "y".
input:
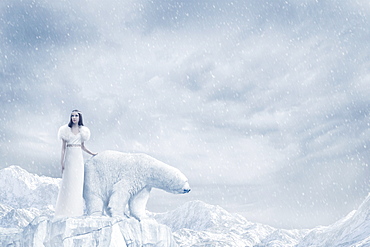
{"x": 87, "y": 150}
{"x": 63, "y": 154}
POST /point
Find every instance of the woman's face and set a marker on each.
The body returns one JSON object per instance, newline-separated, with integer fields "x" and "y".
{"x": 75, "y": 117}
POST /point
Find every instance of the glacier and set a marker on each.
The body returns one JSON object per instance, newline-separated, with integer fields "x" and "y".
{"x": 27, "y": 207}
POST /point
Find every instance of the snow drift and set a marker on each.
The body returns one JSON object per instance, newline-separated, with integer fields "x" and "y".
{"x": 26, "y": 219}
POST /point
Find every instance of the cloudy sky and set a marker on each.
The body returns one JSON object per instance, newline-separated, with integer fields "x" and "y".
{"x": 263, "y": 103}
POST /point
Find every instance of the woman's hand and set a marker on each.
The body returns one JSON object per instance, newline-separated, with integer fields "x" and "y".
{"x": 87, "y": 150}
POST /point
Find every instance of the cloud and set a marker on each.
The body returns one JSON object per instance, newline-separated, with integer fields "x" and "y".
{"x": 271, "y": 94}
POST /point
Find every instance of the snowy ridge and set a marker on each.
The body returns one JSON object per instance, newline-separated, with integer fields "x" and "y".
{"x": 20, "y": 189}
{"x": 23, "y": 196}
{"x": 197, "y": 223}
{"x": 199, "y": 216}
{"x": 352, "y": 230}
{"x": 26, "y": 215}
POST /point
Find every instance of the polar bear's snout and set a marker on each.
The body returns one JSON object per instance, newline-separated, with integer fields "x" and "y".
{"x": 186, "y": 188}
{"x": 187, "y": 191}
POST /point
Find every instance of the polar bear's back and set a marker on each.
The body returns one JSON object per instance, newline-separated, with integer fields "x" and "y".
{"x": 118, "y": 163}
{"x": 109, "y": 167}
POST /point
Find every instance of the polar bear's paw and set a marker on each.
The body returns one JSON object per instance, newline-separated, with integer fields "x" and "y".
{"x": 97, "y": 213}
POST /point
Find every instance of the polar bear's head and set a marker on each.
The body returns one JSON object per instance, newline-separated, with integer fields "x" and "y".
{"x": 179, "y": 185}
{"x": 173, "y": 180}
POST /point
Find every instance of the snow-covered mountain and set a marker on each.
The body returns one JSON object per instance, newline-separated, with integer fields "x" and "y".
{"x": 20, "y": 189}
{"x": 26, "y": 219}
{"x": 352, "y": 230}
{"x": 197, "y": 223}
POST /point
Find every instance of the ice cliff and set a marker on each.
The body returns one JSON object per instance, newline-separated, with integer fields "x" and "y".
{"x": 26, "y": 219}
{"x": 90, "y": 231}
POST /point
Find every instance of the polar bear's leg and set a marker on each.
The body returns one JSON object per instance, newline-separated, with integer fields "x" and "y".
{"x": 137, "y": 204}
{"x": 118, "y": 199}
{"x": 94, "y": 205}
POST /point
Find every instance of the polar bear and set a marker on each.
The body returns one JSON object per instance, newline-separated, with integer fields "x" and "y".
{"x": 114, "y": 179}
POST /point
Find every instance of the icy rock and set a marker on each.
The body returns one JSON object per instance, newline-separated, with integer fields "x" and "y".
{"x": 4, "y": 210}
{"x": 10, "y": 237}
{"x": 96, "y": 231}
{"x": 18, "y": 218}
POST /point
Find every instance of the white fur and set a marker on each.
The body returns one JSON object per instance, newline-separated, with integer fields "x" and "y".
{"x": 114, "y": 180}
{"x": 65, "y": 132}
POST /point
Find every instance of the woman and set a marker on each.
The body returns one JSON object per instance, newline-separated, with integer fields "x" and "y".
{"x": 70, "y": 201}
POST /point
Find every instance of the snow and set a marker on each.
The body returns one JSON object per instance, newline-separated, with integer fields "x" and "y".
{"x": 29, "y": 221}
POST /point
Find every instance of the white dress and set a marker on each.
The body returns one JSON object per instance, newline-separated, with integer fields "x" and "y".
{"x": 70, "y": 200}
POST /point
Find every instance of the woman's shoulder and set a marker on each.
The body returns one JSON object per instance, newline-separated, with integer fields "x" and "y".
{"x": 83, "y": 128}
{"x": 64, "y": 132}
{"x": 85, "y": 133}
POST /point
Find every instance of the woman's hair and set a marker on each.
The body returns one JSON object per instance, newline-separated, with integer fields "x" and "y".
{"x": 80, "y": 121}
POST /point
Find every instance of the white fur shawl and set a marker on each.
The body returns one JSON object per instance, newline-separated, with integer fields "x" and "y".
{"x": 65, "y": 132}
